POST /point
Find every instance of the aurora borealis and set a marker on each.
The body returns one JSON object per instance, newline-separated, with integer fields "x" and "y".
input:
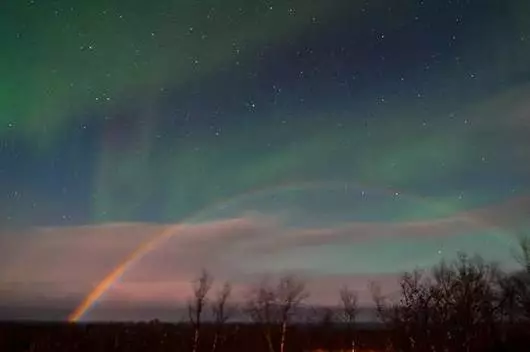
{"x": 346, "y": 140}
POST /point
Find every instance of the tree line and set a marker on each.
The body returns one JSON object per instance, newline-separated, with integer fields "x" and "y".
{"x": 466, "y": 304}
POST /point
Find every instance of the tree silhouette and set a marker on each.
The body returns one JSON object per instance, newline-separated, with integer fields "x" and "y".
{"x": 260, "y": 309}
{"x": 291, "y": 291}
{"x": 222, "y": 311}
{"x": 201, "y": 286}
{"x": 270, "y": 306}
{"x": 452, "y": 308}
{"x": 520, "y": 282}
{"x": 348, "y": 302}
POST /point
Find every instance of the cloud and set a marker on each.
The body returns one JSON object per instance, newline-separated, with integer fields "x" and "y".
{"x": 506, "y": 217}
{"x": 65, "y": 263}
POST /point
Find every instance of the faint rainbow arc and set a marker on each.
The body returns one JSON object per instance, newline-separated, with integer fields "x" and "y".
{"x": 152, "y": 243}
{"x": 118, "y": 271}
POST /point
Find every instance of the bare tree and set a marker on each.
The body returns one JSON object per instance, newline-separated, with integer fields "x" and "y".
{"x": 405, "y": 317}
{"x": 380, "y": 302}
{"x": 454, "y": 308}
{"x": 291, "y": 293}
{"x": 521, "y": 280}
{"x": 466, "y": 303}
{"x": 201, "y": 287}
{"x": 260, "y": 308}
{"x": 348, "y": 302}
{"x": 270, "y": 306}
{"x": 508, "y": 305}
{"x": 514, "y": 302}
{"x": 222, "y": 311}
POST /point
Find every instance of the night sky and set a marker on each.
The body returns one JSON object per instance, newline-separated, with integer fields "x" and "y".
{"x": 343, "y": 140}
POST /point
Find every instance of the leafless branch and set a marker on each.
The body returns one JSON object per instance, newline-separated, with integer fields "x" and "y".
{"x": 201, "y": 286}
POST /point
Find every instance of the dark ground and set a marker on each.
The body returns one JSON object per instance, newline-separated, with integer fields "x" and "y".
{"x": 156, "y": 336}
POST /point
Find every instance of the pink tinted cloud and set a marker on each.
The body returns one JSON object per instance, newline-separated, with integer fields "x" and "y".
{"x": 506, "y": 217}
{"x": 72, "y": 260}
{"x": 59, "y": 262}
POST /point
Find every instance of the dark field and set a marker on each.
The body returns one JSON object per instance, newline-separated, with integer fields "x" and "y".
{"x": 155, "y": 336}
